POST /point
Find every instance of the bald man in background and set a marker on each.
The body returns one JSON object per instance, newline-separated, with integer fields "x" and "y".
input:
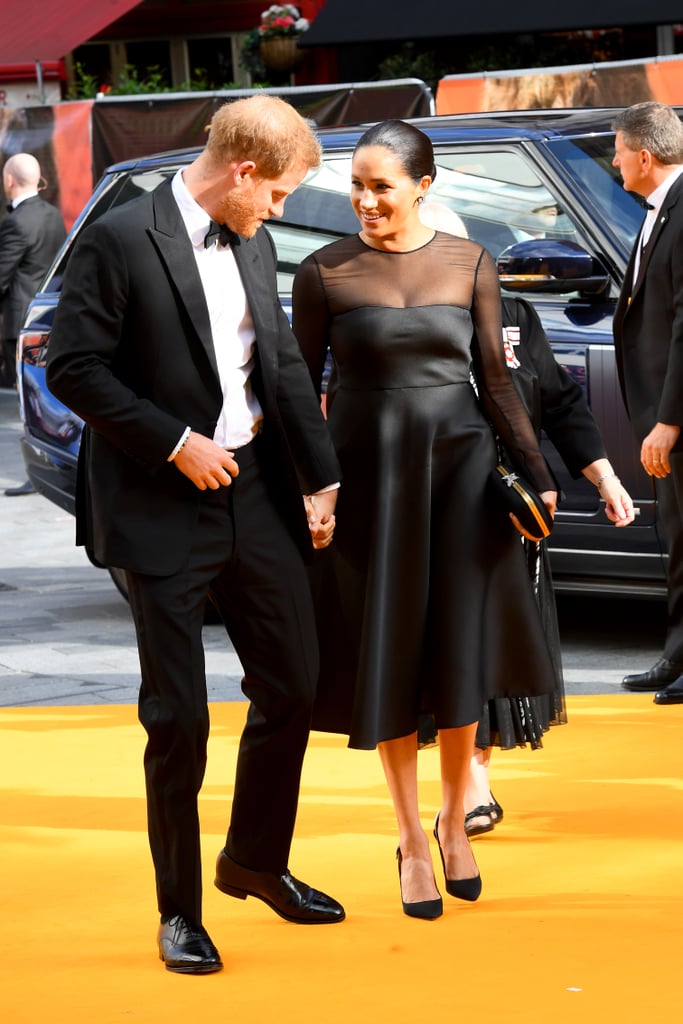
{"x": 30, "y": 236}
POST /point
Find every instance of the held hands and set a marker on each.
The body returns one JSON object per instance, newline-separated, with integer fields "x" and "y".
{"x": 320, "y": 514}
{"x": 549, "y": 499}
{"x": 655, "y": 449}
{"x": 205, "y": 463}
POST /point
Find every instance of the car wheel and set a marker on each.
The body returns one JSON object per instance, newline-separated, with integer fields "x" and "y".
{"x": 211, "y": 616}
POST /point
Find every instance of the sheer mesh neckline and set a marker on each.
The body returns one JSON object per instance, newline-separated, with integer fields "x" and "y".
{"x": 395, "y": 252}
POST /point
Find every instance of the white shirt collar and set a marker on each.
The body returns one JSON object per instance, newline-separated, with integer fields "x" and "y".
{"x": 657, "y": 197}
{"x": 20, "y": 199}
{"x": 195, "y": 218}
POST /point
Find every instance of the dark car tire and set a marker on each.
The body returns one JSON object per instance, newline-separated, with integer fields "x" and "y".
{"x": 211, "y": 616}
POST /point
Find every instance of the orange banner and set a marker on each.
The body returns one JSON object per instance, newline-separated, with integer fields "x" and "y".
{"x": 611, "y": 84}
{"x": 73, "y": 159}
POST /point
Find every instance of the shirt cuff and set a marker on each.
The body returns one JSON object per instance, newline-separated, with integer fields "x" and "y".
{"x": 324, "y": 490}
{"x": 181, "y": 443}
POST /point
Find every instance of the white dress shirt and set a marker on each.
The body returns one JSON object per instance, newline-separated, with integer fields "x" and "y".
{"x": 232, "y": 327}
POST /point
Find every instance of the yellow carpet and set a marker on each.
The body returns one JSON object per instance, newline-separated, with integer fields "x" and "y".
{"x": 580, "y": 918}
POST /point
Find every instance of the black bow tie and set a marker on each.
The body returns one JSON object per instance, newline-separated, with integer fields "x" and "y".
{"x": 10, "y": 207}
{"x": 220, "y": 231}
{"x": 642, "y": 201}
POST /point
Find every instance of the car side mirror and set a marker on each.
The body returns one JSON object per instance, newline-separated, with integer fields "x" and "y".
{"x": 548, "y": 265}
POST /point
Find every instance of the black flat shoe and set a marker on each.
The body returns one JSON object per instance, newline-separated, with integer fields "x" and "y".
{"x": 479, "y": 812}
{"x": 187, "y": 949}
{"x": 426, "y": 910}
{"x": 462, "y": 888}
{"x": 287, "y": 896}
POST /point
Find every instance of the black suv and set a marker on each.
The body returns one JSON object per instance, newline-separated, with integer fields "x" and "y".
{"x": 538, "y": 189}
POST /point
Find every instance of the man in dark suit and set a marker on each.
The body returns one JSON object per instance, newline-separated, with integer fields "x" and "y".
{"x": 648, "y": 334}
{"x": 202, "y": 434}
{"x": 30, "y": 236}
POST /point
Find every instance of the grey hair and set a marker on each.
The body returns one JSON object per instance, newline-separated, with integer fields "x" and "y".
{"x": 654, "y": 127}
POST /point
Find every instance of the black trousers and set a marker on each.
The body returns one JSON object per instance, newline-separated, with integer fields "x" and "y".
{"x": 245, "y": 557}
{"x": 669, "y": 491}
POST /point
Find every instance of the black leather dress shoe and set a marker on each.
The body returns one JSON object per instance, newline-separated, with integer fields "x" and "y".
{"x": 26, "y": 488}
{"x": 186, "y": 949}
{"x": 286, "y": 895}
{"x": 662, "y": 672}
{"x": 672, "y": 694}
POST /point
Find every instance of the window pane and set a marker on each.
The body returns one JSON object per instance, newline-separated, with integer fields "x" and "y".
{"x": 498, "y": 197}
{"x": 210, "y": 62}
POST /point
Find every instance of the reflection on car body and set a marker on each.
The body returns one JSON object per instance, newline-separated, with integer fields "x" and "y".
{"x": 536, "y": 188}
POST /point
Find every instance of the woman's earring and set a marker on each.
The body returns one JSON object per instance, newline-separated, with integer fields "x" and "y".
{"x": 420, "y": 199}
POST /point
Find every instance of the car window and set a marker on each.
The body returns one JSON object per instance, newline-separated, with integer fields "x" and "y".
{"x": 318, "y": 212}
{"x": 589, "y": 162}
{"x": 499, "y": 198}
{"x": 293, "y": 245}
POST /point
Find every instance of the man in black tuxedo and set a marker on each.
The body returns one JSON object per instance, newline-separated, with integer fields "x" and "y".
{"x": 648, "y": 334}
{"x": 30, "y": 236}
{"x": 203, "y": 432}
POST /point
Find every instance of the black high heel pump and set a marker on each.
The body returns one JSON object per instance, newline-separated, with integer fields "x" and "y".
{"x": 427, "y": 910}
{"x": 462, "y": 888}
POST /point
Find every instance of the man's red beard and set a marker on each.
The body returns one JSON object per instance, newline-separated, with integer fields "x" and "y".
{"x": 239, "y": 213}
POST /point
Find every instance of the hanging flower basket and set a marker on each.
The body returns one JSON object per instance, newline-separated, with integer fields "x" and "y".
{"x": 280, "y": 27}
{"x": 281, "y": 53}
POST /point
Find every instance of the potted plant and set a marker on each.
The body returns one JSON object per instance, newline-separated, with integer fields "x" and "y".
{"x": 278, "y": 31}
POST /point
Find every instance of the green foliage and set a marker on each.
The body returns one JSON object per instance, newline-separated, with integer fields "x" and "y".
{"x": 131, "y": 83}
{"x": 409, "y": 63}
{"x": 85, "y": 86}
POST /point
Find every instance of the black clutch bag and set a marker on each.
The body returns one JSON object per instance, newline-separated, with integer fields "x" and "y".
{"x": 514, "y": 494}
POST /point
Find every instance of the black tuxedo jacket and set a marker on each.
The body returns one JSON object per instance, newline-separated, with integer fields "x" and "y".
{"x": 648, "y": 324}
{"x": 30, "y": 237}
{"x": 131, "y": 352}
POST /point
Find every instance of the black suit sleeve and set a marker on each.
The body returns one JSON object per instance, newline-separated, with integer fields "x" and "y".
{"x": 12, "y": 247}
{"x": 87, "y": 357}
{"x": 564, "y": 413}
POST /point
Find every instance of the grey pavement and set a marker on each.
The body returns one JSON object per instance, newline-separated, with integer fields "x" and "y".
{"x": 66, "y": 635}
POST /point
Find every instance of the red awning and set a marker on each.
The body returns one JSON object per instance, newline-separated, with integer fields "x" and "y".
{"x": 38, "y": 30}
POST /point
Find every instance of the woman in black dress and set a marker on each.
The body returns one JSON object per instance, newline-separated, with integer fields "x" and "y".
{"x": 425, "y": 601}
